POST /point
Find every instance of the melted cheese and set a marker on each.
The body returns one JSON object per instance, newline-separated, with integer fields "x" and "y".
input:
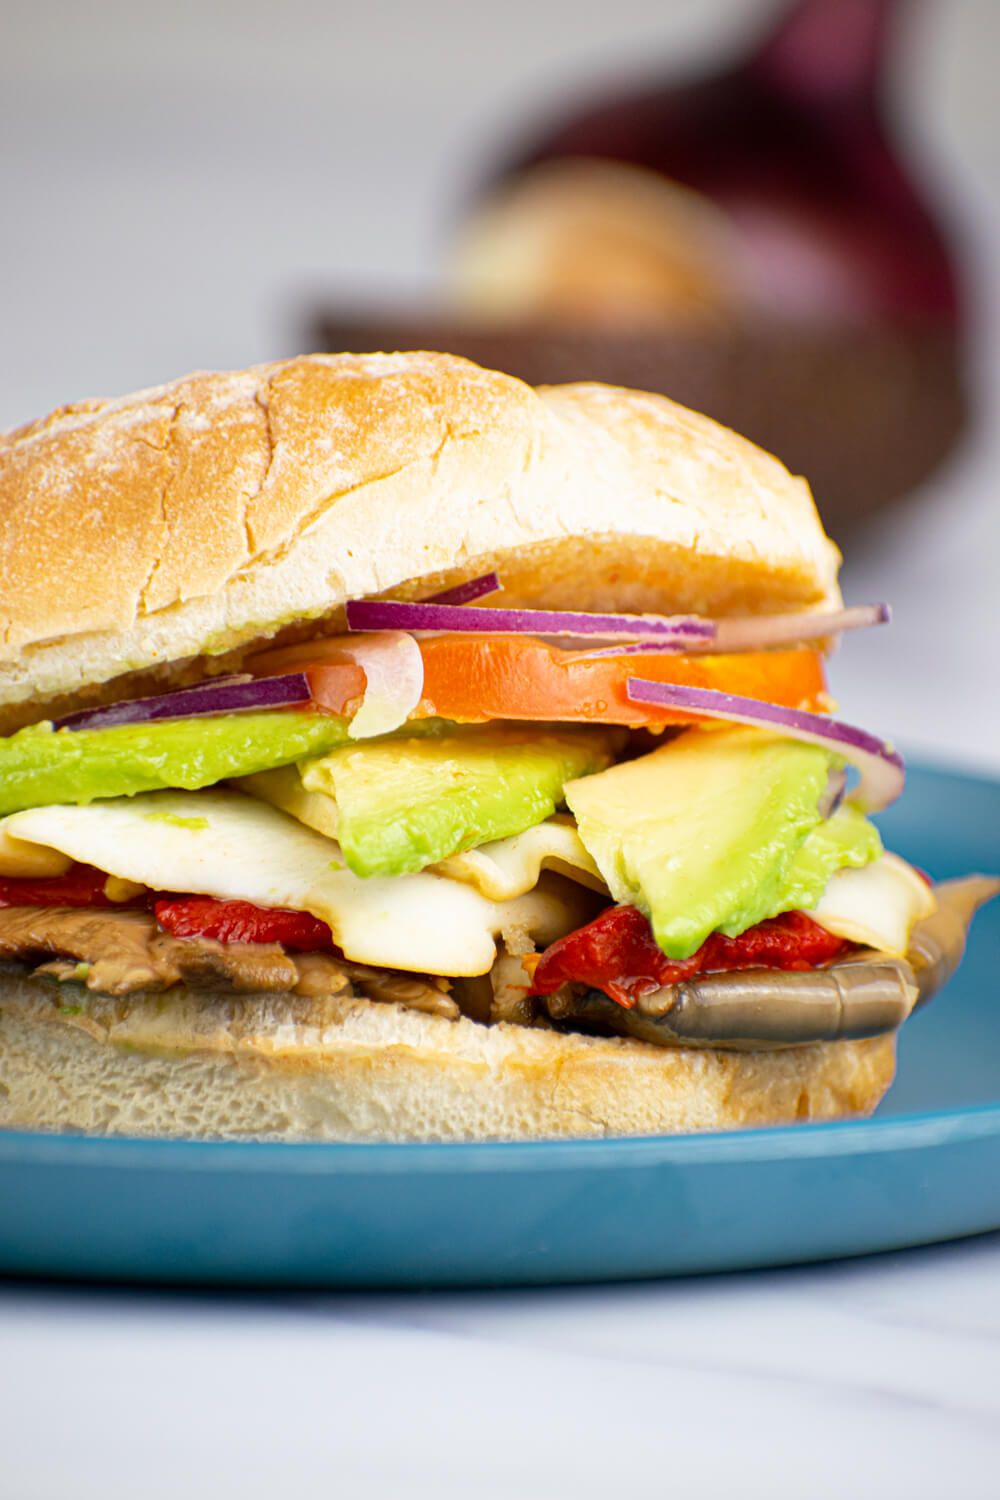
{"x": 222, "y": 843}
{"x": 441, "y": 921}
{"x": 510, "y": 867}
{"x": 877, "y": 905}
{"x": 22, "y": 861}
{"x": 283, "y": 788}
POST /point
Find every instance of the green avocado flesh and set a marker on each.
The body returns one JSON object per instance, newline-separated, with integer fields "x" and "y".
{"x": 40, "y": 765}
{"x": 715, "y": 831}
{"x": 396, "y": 807}
{"x": 845, "y": 840}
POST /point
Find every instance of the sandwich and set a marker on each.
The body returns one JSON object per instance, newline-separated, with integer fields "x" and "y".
{"x": 392, "y": 751}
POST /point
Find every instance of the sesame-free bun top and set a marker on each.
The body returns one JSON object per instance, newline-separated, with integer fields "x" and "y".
{"x": 200, "y": 516}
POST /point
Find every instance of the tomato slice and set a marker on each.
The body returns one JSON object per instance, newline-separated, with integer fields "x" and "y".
{"x": 475, "y": 678}
{"x": 617, "y": 953}
{"x": 511, "y": 677}
{"x": 241, "y": 922}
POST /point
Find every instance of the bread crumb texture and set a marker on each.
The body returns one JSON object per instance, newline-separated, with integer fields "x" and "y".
{"x": 274, "y": 1067}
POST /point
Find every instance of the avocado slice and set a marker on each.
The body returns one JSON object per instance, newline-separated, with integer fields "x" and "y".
{"x": 397, "y": 806}
{"x": 707, "y": 832}
{"x": 847, "y": 840}
{"x": 41, "y": 765}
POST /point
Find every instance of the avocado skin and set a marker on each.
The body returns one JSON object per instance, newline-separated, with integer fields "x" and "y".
{"x": 410, "y": 803}
{"x": 706, "y": 833}
{"x": 41, "y": 765}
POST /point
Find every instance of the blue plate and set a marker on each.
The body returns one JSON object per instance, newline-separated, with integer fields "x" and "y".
{"x": 926, "y": 1167}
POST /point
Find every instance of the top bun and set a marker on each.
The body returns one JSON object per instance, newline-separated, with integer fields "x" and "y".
{"x": 208, "y": 514}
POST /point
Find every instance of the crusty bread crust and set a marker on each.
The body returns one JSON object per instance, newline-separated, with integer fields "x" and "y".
{"x": 276, "y": 1067}
{"x": 199, "y": 516}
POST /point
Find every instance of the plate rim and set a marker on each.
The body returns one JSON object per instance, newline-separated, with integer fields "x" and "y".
{"x": 918, "y": 1130}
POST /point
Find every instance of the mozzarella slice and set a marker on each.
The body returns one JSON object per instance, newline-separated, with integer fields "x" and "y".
{"x": 509, "y": 867}
{"x": 222, "y": 843}
{"x": 876, "y": 905}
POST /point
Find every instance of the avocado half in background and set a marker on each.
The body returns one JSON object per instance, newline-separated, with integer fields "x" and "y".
{"x": 393, "y": 751}
{"x": 751, "y": 241}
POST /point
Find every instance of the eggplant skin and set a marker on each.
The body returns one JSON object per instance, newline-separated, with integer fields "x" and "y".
{"x": 938, "y": 942}
{"x": 759, "y": 1009}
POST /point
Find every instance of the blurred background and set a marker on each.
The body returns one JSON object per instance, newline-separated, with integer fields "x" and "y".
{"x": 785, "y": 214}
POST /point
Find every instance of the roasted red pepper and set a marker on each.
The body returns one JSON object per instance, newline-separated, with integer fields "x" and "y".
{"x": 183, "y": 916}
{"x": 80, "y": 886}
{"x": 240, "y": 922}
{"x": 617, "y": 953}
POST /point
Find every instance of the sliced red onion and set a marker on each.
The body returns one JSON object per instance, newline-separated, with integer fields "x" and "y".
{"x": 464, "y": 593}
{"x": 833, "y": 793}
{"x": 880, "y": 766}
{"x": 387, "y": 614}
{"x": 636, "y": 633}
{"x": 756, "y": 632}
{"x": 220, "y": 695}
{"x": 580, "y": 651}
{"x": 394, "y": 680}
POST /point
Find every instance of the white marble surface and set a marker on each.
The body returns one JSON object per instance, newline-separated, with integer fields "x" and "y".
{"x": 875, "y": 1377}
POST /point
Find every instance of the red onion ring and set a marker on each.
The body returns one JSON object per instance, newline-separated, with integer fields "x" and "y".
{"x": 637, "y": 633}
{"x": 881, "y": 767}
{"x": 390, "y": 614}
{"x": 464, "y": 593}
{"x": 833, "y": 793}
{"x": 757, "y": 632}
{"x": 220, "y": 695}
{"x": 582, "y": 652}
{"x": 394, "y": 681}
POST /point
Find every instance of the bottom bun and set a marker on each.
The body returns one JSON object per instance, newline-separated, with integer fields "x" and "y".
{"x": 197, "y": 1064}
